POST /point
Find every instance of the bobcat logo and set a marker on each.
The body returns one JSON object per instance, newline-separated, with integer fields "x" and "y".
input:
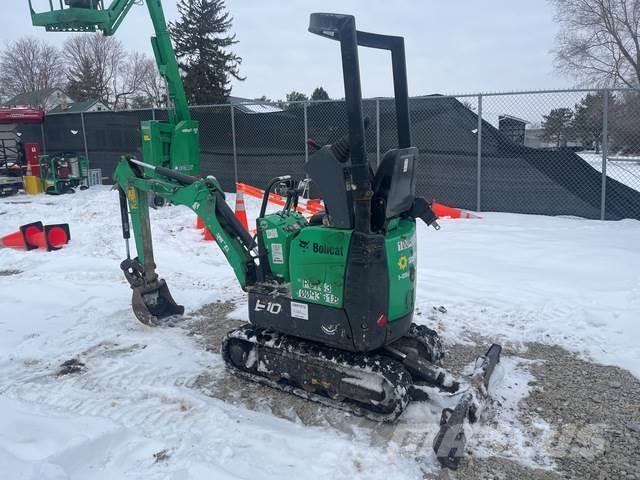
{"x": 304, "y": 244}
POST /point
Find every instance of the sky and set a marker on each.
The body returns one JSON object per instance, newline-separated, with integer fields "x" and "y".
{"x": 463, "y": 46}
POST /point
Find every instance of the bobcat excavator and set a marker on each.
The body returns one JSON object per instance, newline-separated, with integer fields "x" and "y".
{"x": 331, "y": 300}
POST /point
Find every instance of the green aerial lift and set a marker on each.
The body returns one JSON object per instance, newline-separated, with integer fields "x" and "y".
{"x": 173, "y": 143}
{"x": 331, "y": 300}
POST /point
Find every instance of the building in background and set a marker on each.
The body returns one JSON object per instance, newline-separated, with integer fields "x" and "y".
{"x": 78, "y": 107}
{"x": 513, "y": 128}
{"x": 48, "y": 99}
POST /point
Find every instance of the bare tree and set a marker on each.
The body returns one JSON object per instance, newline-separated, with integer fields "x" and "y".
{"x": 152, "y": 89}
{"x": 98, "y": 67}
{"x": 94, "y": 66}
{"x": 599, "y": 40}
{"x": 30, "y": 65}
{"x": 129, "y": 79}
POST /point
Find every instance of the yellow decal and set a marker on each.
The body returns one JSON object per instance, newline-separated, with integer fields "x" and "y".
{"x": 133, "y": 197}
{"x": 146, "y": 138}
{"x": 403, "y": 261}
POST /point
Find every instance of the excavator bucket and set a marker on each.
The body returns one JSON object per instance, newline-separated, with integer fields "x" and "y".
{"x": 151, "y": 305}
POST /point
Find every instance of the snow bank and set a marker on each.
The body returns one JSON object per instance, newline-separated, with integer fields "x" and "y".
{"x": 527, "y": 278}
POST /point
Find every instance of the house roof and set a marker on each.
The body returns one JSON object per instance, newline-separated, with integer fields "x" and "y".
{"x": 511, "y": 117}
{"x": 76, "y": 107}
{"x": 31, "y": 98}
{"x": 246, "y": 105}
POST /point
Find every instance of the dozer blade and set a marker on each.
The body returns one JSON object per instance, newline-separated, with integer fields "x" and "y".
{"x": 151, "y": 305}
{"x": 450, "y": 442}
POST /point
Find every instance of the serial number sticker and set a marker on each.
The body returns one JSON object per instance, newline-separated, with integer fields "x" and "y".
{"x": 272, "y": 233}
{"x": 309, "y": 294}
{"x": 276, "y": 253}
{"x": 331, "y": 298}
{"x": 300, "y": 310}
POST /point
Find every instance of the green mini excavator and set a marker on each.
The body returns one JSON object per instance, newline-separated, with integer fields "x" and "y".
{"x": 331, "y": 299}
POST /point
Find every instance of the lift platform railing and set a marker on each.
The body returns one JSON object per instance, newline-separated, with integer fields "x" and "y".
{"x": 81, "y": 15}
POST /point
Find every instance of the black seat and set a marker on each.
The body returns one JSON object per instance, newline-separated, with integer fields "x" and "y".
{"x": 328, "y": 175}
{"x": 393, "y": 186}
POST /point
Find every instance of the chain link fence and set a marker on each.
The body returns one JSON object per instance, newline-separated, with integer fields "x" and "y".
{"x": 560, "y": 152}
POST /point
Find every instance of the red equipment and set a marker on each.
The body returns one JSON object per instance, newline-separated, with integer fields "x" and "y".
{"x": 32, "y": 153}
{"x": 21, "y": 114}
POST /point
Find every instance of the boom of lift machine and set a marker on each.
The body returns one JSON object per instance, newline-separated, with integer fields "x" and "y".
{"x": 173, "y": 143}
{"x": 331, "y": 300}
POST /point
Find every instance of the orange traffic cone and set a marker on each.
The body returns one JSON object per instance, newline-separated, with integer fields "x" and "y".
{"x": 208, "y": 235}
{"x": 241, "y": 212}
{"x": 52, "y": 238}
{"x": 23, "y": 238}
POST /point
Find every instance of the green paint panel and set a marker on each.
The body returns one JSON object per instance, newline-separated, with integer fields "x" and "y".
{"x": 176, "y": 147}
{"x": 317, "y": 264}
{"x": 400, "y": 244}
{"x": 278, "y": 230}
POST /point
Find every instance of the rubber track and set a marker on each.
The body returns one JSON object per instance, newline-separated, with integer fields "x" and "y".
{"x": 339, "y": 361}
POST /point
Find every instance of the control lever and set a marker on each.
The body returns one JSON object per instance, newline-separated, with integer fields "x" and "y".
{"x": 422, "y": 209}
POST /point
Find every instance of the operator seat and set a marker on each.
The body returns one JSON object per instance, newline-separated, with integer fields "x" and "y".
{"x": 328, "y": 174}
{"x": 393, "y": 186}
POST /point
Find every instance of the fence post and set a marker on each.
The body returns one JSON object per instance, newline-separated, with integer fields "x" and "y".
{"x": 233, "y": 143}
{"x": 44, "y": 138}
{"x": 479, "y": 169}
{"x": 153, "y": 113}
{"x": 377, "y": 131}
{"x": 306, "y": 135}
{"x": 605, "y": 153}
{"x": 84, "y": 136}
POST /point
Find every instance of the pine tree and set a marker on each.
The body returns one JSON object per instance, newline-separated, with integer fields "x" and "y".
{"x": 587, "y": 119}
{"x": 202, "y": 44}
{"x": 557, "y": 126}
{"x": 320, "y": 94}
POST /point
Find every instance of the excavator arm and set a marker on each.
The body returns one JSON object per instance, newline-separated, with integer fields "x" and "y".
{"x": 151, "y": 298}
{"x": 171, "y": 153}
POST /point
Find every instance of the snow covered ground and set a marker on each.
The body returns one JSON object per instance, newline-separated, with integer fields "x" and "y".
{"x": 624, "y": 169}
{"x": 510, "y": 278}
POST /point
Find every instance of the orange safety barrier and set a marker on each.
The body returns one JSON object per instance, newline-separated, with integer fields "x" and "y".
{"x": 313, "y": 206}
{"x": 444, "y": 211}
{"x": 310, "y": 207}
